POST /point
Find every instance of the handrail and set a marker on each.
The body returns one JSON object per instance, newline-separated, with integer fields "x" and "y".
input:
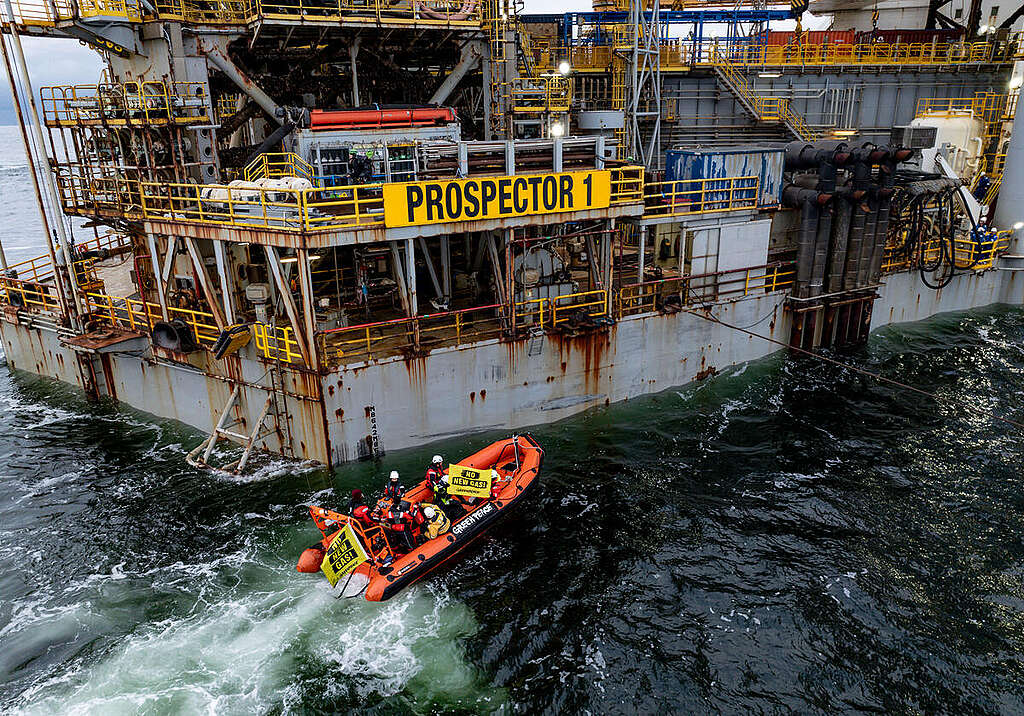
{"x": 592, "y": 303}
{"x": 271, "y": 165}
{"x": 697, "y": 196}
{"x": 397, "y": 336}
{"x": 678, "y": 54}
{"x": 979, "y": 256}
{"x": 648, "y": 296}
{"x": 127, "y": 103}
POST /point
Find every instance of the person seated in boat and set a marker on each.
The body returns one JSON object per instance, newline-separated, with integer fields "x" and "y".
{"x": 437, "y": 521}
{"x": 393, "y": 490}
{"x": 358, "y": 508}
{"x": 435, "y": 474}
{"x": 399, "y": 527}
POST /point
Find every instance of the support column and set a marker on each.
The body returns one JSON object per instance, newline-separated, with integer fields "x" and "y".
{"x": 28, "y": 116}
{"x": 446, "y": 269}
{"x": 640, "y": 254}
{"x": 353, "y": 52}
{"x": 410, "y": 276}
{"x": 225, "y": 281}
{"x": 158, "y": 279}
{"x": 274, "y": 262}
{"x": 399, "y": 276}
{"x": 308, "y": 308}
{"x": 204, "y": 281}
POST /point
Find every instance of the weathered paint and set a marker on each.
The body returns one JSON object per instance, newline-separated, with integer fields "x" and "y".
{"x": 492, "y": 385}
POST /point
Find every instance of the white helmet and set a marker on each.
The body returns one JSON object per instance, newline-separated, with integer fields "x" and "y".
{"x": 428, "y": 511}
{"x": 394, "y": 476}
{"x": 437, "y": 460}
{"x": 495, "y": 476}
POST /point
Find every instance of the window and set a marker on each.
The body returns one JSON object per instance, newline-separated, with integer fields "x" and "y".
{"x": 959, "y": 13}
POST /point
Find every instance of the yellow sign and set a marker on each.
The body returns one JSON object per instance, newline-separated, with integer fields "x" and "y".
{"x": 469, "y": 482}
{"x": 434, "y": 202}
{"x": 345, "y": 554}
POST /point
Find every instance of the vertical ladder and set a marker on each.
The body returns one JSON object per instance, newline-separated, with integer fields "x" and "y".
{"x": 223, "y": 430}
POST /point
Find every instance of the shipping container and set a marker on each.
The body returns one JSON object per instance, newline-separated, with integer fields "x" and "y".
{"x": 916, "y": 37}
{"x": 685, "y": 167}
{"x": 810, "y": 37}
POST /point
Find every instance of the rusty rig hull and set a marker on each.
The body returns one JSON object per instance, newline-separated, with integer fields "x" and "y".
{"x": 401, "y": 402}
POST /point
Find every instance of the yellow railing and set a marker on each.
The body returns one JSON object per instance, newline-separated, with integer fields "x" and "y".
{"x": 231, "y": 12}
{"x": 276, "y": 343}
{"x": 541, "y": 94}
{"x": 125, "y": 10}
{"x": 987, "y": 106}
{"x": 704, "y": 288}
{"x": 770, "y": 108}
{"x": 316, "y": 209}
{"x": 696, "y": 196}
{"x": 970, "y": 255}
{"x": 226, "y": 106}
{"x": 397, "y": 337}
{"x": 592, "y": 304}
{"x": 272, "y": 165}
{"x": 38, "y": 13}
{"x": 27, "y": 294}
{"x": 126, "y": 103}
{"x": 140, "y": 316}
{"x": 681, "y": 55}
{"x": 766, "y": 108}
{"x": 627, "y": 185}
{"x": 37, "y": 269}
{"x": 532, "y": 313}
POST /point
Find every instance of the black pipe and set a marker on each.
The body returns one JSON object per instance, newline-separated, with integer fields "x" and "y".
{"x": 807, "y": 200}
{"x": 843, "y": 207}
{"x": 827, "y": 175}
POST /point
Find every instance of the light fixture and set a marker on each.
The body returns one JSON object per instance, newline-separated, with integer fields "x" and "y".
{"x": 1016, "y": 81}
{"x": 564, "y": 67}
{"x": 557, "y": 129}
{"x": 769, "y": 75}
{"x": 844, "y": 132}
{"x": 983, "y": 29}
{"x": 290, "y": 260}
{"x": 1018, "y": 226}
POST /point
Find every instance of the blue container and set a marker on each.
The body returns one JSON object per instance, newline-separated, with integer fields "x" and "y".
{"x": 723, "y": 163}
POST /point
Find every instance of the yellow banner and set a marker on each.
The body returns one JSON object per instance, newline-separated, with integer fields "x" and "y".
{"x": 345, "y": 554}
{"x": 435, "y": 202}
{"x": 469, "y": 482}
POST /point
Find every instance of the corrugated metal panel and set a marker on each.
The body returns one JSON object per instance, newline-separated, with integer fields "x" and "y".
{"x": 765, "y": 163}
{"x": 810, "y": 37}
{"x": 911, "y": 36}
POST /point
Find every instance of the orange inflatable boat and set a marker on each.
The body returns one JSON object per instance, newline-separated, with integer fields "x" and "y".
{"x": 508, "y": 470}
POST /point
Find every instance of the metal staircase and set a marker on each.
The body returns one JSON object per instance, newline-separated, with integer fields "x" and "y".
{"x": 764, "y": 109}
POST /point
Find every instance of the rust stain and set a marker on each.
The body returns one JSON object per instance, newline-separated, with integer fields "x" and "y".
{"x": 483, "y": 395}
{"x": 708, "y": 372}
{"x": 472, "y": 397}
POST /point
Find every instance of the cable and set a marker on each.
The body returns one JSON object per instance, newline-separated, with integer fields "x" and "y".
{"x": 715, "y": 319}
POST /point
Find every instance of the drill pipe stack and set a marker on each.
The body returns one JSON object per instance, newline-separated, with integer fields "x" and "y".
{"x": 843, "y": 192}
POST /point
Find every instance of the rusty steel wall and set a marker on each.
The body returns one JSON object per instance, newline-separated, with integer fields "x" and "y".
{"x": 402, "y": 403}
{"x": 178, "y": 392}
{"x": 501, "y": 386}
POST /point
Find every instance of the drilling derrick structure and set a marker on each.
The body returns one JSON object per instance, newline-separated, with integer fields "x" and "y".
{"x": 330, "y": 228}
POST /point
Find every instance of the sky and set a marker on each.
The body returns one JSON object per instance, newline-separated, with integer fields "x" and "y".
{"x": 59, "y": 61}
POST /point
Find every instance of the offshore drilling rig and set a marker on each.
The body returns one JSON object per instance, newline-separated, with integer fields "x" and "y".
{"x": 330, "y": 228}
